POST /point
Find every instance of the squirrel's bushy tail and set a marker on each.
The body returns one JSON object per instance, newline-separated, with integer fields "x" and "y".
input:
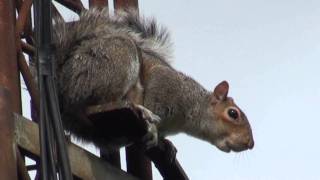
{"x": 96, "y": 23}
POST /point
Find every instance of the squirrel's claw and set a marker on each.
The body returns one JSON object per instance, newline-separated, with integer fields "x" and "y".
{"x": 146, "y": 114}
{"x": 150, "y": 140}
{"x": 152, "y": 120}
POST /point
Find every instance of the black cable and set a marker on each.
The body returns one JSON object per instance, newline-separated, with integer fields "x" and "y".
{"x": 50, "y": 145}
{"x": 62, "y": 155}
{"x": 54, "y": 155}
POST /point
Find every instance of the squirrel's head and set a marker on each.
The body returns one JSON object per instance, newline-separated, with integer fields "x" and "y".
{"x": 229, "y": 128}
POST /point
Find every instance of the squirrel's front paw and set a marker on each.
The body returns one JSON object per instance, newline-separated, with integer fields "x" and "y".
{"x": 147, "y": 115}
{"x": 151, "y": 138}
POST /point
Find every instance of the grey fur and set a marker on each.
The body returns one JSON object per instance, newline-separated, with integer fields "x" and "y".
{"x": 97, "y": 61}
{"x": 103, "y": 58}
{"x": 147, "y": 35}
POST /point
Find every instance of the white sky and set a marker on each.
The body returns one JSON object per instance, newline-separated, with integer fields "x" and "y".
{"x": 269, "y": 52}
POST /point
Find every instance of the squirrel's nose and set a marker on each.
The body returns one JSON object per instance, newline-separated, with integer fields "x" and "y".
{"x": 250, "y": 143}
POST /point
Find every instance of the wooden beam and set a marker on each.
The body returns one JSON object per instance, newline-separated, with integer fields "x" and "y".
{"x": 83, "y": 164}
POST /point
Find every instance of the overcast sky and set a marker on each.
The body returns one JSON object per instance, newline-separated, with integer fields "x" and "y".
{"x": 269, "y": 52}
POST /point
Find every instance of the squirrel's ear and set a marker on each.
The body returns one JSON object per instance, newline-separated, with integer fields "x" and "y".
{"x": 221, "y": 91}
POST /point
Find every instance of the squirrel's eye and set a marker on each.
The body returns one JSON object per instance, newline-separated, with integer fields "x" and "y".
{"x": 233, "y": 113}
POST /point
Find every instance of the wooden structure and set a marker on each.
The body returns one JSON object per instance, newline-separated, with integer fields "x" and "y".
{"x": 19, "y": 137}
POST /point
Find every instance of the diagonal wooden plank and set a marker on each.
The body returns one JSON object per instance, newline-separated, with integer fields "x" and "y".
{"x": 83, "y": 164}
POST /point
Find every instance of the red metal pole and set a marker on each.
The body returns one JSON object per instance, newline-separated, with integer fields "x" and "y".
{"x": 125, "y": 4}
{"x": 98, "y": 3}
{"x": 8, "y": 161}
{"x": 138, "y": 163}
{"x": 9, "y": 76}
{"x": 112, "y": 157}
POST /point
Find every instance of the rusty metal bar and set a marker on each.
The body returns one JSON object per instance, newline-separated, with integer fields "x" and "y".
{"x": 23, "y": 16}
{"x": 137, "y": 163}
{"x": 27, "y": 48}
{"x": 98, "y": 3}
{"x": 112, "y": 157}
{"x": 126, "y": 4}
{"x": 9, "y": 76}
{"x": 164, "y": 158}
{"x": 8, "y": 161}
{"x": 29, "y": 80}
{"x": 22, "y": 64}
{"x": 74, "y": 5}
{"x": 25, "y": 30}
{"x": 22, "y": 170}
{"x": 18, "y": 4}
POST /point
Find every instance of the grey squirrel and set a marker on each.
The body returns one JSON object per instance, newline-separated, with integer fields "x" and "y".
{"x": 123, "y": 57}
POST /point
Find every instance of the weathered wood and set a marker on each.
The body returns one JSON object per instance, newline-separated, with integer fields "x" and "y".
{"x": 83, "y": 164}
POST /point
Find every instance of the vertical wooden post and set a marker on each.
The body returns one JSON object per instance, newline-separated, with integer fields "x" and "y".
{"x": 9, "y": 76}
